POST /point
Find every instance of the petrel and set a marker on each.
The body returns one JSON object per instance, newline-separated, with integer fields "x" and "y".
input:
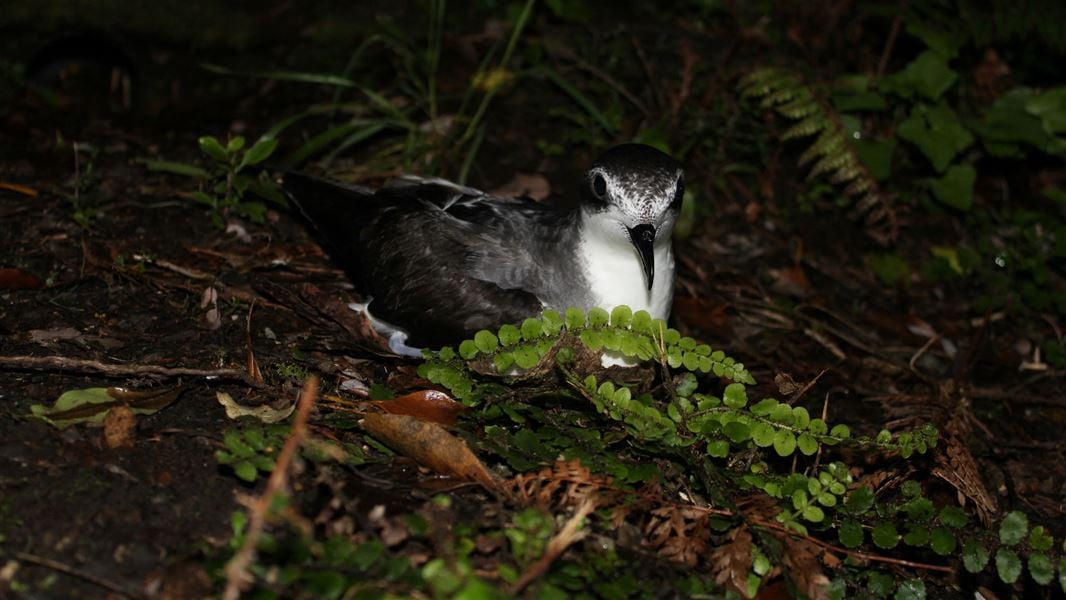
{"x": 439, "y": 261}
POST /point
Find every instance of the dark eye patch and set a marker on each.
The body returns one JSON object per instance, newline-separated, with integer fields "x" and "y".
{"x": 599, "y": 186}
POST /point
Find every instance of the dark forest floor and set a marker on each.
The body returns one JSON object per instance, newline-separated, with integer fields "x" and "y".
{"x": 785, "y": 292}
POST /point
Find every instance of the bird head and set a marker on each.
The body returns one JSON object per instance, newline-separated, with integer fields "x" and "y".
{"x": 634, "y": 195}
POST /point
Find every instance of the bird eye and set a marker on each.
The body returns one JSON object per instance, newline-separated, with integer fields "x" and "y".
{"x": 679, "y": 194}
{"x": 599, "y": 186}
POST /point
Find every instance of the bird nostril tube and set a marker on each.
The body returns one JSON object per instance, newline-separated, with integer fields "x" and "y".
{"x": 643, "y": 239}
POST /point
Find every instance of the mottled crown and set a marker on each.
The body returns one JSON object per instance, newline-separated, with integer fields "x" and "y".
{"x": 637, "y": 179}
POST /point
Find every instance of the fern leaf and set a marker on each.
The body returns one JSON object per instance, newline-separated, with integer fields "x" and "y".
{"x": 828, "y": 143}
{"x": 856, "y": 187}
{"x": 809, "y": 126}
{"x": 830, "y": 162}
{"x": 845, "y": 174}
{"x": 801, "y": 107}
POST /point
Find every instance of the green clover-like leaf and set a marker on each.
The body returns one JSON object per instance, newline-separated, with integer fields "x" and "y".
{"x": 1013, "y": 528}
{"x": 884, "y": 535}
{"x": 1008, "y": 565}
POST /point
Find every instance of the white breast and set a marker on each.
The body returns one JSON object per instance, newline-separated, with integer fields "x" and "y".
{"x": 612, "y": 267}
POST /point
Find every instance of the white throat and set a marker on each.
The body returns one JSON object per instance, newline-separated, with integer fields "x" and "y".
{"x": 613, "y": 270}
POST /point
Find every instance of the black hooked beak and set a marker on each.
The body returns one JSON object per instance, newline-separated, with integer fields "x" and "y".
{"x": 643, "y": 238}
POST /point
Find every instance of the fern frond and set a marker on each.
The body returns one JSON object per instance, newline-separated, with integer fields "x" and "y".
{"x": 831, "y": 152}
{"x": 807, "y": 127}
{"x": 831, "y": 162}
{"x": 830, "y": 142}
{"x": 801, "y": 107}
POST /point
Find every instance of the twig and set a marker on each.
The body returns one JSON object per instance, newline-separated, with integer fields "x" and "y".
{"x": 806, "y": 387}
{"x": 237, "y": 568}
{"x": 887, "y": 52}
{"x": 556, "y": 546}
{"x": 83, "y": 365}
{"x": 856, "y": 553}
{"x": 71, "y": 571}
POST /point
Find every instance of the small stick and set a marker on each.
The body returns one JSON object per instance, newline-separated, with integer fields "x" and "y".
{"x": 82, "y": 365}
{"x": 237, "y": 567}
{"x": 556, "y": 546}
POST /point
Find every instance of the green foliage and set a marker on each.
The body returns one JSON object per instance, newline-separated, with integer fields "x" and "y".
{"x": 917, "y": 134}
{"x": 250, "y": 452}
{"x": 720, "y": 423}
{"x": 225, "y": 184}
{"x": 831, "y": 153}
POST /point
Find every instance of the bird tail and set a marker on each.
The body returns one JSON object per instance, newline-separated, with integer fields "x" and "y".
{"x": 336, "y": 210}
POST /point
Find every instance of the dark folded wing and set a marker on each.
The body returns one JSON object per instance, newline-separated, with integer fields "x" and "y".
{"x": 418, "y": 248}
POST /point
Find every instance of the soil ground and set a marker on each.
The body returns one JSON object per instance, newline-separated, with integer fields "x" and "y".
{"x": 786, "y": 294}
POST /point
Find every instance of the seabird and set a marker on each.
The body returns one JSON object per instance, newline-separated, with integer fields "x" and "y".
{"x": 440, "y": 261}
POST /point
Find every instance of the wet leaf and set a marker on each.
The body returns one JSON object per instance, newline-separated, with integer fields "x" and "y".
{"x": 428, "y": 405}
{"x": 91, "y": 405}
{"x": 430, "y": 445}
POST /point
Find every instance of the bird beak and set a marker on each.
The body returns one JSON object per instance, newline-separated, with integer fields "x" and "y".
{"x": 643, "y": 239}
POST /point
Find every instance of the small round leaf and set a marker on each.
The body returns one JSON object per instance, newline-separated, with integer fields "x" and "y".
{"x": 784, "y": 443}
{"x": 1008, "y": 565}
{"x": 885, "y": 535}
{"x": 1013, "y": 528}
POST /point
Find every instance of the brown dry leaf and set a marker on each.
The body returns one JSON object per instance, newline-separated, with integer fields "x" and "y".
{"x": 956, "y": 465}
{"x": 791, "y": 282}
{"x": 678, "y": 533}
{"x": 786, "y": 385}
{"x": 119, "y": 426}
{"x": 429, "y": 405}
{"x": 430, "y": 445}
{"x": 801, "y": 559}
{"x": 21, "y": 189}
{"x": 568, "y": 480}
{"x": 731, "y": 561}
{"x": 264, "y": 412}
{"x": 16, "y": 279}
